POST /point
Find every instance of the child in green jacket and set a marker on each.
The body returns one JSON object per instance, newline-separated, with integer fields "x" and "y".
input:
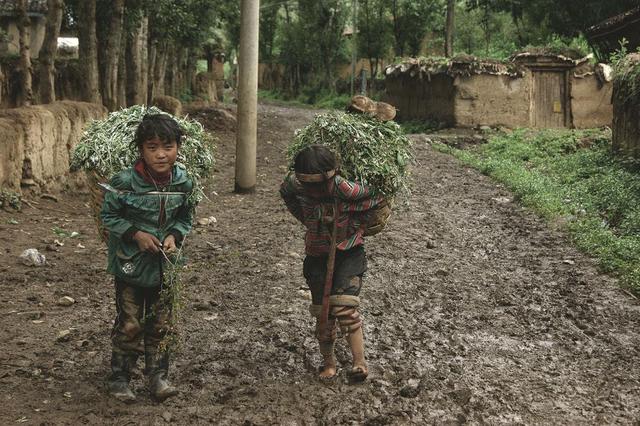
{"x": 145, "y": 227}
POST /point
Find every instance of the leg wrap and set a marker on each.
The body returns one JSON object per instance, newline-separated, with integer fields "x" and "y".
{"x": 348, "y": 317}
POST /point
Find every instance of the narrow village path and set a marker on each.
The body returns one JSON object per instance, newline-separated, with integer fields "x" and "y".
{"x": 475, "y": 312}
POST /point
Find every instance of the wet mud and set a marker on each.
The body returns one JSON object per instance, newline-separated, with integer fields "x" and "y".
{"x": 475, "y": 312}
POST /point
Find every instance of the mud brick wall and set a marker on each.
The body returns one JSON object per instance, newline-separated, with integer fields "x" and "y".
{"x": 491, "y": 100}
{"x": 626, "y": 108}
{"x": 422, "y": 98}
{"x": 35, "y": 143}
{"x": 626, "y": 128}
{"x": 591, "y": 102}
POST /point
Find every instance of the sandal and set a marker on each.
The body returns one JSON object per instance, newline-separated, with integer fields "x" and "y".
{"x": 357, "y": 375}
{"x": 327, "y": 378}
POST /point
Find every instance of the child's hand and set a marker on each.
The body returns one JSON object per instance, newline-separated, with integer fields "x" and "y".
{"x": 169, "y": 244}
{"x": 147, "y": 242}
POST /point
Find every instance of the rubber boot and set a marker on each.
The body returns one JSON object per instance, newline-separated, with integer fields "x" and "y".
{"x": 157, "y": 367}
{"x": 121, "y": 365}
{"x": 359, "y": 371}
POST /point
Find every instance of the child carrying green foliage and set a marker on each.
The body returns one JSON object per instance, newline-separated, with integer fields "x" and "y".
{"x": 320, "y": 198}
{"x": 147, "y": 215}
{"x": 346, "y": 205}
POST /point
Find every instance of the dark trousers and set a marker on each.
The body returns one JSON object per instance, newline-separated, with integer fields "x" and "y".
{"x": 142, "y": 320}
{"x": 350, "y": 266}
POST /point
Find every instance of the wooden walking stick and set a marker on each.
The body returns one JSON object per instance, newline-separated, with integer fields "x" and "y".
{"x": 328, "y": 281}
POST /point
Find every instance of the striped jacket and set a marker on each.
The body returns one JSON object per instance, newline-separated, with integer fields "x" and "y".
{"x": 355, "y": 201}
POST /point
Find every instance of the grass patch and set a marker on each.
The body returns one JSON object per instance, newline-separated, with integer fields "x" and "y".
{"x": 571, "y": 177}
{"x": 421, "y": 126}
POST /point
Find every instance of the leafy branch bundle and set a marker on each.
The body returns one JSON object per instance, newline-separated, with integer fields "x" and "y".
{"x": 368, "y": 150}
{"x": 107, "y": 146}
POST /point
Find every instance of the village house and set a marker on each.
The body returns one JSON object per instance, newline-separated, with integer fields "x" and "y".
{"x": 9, "y": 34}
{"x": 534, "y": 89}
{"x": 606, "y": 37}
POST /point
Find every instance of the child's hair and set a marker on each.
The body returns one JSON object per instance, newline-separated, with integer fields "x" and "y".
{"x": 162, "y": 126}
{"x": 315, "y": 159}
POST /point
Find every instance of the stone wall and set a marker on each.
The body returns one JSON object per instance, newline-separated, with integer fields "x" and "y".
{"x": 36, "y": 142}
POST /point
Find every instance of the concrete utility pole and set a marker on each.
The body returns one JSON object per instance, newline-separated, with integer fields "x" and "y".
{"x": 247, "y": 97}
{"x": 354, "y": 45}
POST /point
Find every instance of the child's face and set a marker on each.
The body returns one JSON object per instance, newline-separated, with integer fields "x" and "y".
{"x": 316, "y": 190}
{"x": 159, "y": 155}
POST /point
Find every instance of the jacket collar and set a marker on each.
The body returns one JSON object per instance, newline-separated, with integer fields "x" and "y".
{"x": 138, "y": 184}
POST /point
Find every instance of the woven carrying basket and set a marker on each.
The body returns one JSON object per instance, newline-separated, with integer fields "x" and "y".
{"x": 97, "y": 199}
{"x": 379, "y": 218}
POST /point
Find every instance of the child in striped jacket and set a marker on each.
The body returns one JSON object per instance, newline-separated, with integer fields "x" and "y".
{"x": 316, "y": 195}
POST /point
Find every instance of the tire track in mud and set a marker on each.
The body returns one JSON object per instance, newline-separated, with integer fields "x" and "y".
{"x": 475, "y": 312}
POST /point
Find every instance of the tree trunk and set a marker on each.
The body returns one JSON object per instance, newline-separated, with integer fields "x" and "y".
{"x": 191, "y": 72}
{"x": 143, "y": 80}
{"x": 397, "y": 31}
{"x": 112, "y": 55}
{"x": 121, "y": 94}
{"x": 88, "y": 51}
{"x": 448, "y": 43}
{"x": 159, "y": 70}
{"x": 151, "y": 66}
{"x": 47, "y": 57}
{"x": 137, "y": 64}
{"x": 24, "y": 27}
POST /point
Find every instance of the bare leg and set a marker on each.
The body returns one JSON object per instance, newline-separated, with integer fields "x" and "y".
{"x": 329, "y": 365}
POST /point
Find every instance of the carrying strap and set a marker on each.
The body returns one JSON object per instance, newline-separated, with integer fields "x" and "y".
{"x": 315, "y": 177}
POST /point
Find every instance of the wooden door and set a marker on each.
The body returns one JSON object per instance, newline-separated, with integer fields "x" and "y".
{"x": 549, "y": 100}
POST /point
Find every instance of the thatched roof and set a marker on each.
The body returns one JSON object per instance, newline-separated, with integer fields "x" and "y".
{"x": 606, "y": 36}
{"x": 35, "y": 7}
{"x": 458, "y": 66}
{"x": 470, "y": 65}
{"x": 544, "y": 57}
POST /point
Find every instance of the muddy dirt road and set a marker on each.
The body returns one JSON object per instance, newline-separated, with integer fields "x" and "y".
{"x": 475, "y": 312}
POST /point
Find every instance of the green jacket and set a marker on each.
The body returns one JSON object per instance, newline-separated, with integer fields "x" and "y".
{"x": 124, "y": 213}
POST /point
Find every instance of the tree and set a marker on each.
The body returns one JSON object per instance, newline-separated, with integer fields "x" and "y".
{"x": 48, "y": 52}
{"x": 322, "y": 23}
{"x": 374, "y": 37}
{"x": 449, "y": 28}
{"x": 412, "y": 21}
{"x": 88, "y": 50}
{"x": 540, "y": 20}
{"x": 136, "y": 27}
{"x": 24, "y": 27}
{"x": 269, "y": 10}
{"x": 109, "y": 74}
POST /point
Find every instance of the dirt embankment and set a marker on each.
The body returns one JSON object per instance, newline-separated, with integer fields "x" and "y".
{"x": 36, "y": 143}
{"x": 475, "y": 312}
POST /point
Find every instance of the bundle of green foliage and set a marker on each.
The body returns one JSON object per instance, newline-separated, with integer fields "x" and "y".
{"x": 107, "y": 146}
{"x": 368, "y": 150}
